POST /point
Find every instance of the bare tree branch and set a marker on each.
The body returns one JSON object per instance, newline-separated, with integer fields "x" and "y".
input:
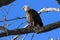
{"x": 24, "y": 37}
{"x": 58, "y": 1}
{"x": 32, "y": 36}
{"x": 15, "y": 19}
{"x": 48, "y": 10}
{"x": 4, "y": 29}
{"x": 28, "y": 29}
{"x": 50, "y": 38}
{"x": 16, "y": 36}
{"x": 5, "y": 2}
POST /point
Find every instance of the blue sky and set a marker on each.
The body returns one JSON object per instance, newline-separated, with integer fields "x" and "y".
{"x": 17, "y": 11}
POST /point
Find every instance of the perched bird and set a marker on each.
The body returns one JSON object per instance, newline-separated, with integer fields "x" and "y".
{"x": 5, "y": 2}
{"x": 58, "y": 1}
{"x": 33, "y": 17}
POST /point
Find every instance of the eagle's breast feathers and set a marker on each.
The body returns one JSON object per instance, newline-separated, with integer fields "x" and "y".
{"x": 33, "y": 18}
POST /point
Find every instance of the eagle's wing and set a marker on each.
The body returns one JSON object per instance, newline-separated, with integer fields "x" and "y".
{"x": 37, "y": 19}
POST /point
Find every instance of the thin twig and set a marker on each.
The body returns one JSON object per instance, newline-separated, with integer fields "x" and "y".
{"x": 17, "y": 18}
{"x": 16, "y": 36}
{"x": 24, "y": 37}
{"x": 32, "y": 36}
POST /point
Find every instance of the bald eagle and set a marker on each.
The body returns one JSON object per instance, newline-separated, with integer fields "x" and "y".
{"x": 33, "y": 17}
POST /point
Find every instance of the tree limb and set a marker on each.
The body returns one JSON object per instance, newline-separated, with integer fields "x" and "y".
{"x": 4, "y": 29}
{"x": 49, "y": 10}
{"x": 28, "y": 29}
{"x": 5, "y": 2}
{"x": 15, "y": 19}
{"x": 58, "y": 1}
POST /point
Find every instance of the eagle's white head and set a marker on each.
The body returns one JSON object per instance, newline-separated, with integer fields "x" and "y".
{"x": 26, "y": 7}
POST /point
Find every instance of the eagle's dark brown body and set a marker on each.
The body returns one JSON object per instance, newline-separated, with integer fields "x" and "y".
{"x": 33, "y": 18}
